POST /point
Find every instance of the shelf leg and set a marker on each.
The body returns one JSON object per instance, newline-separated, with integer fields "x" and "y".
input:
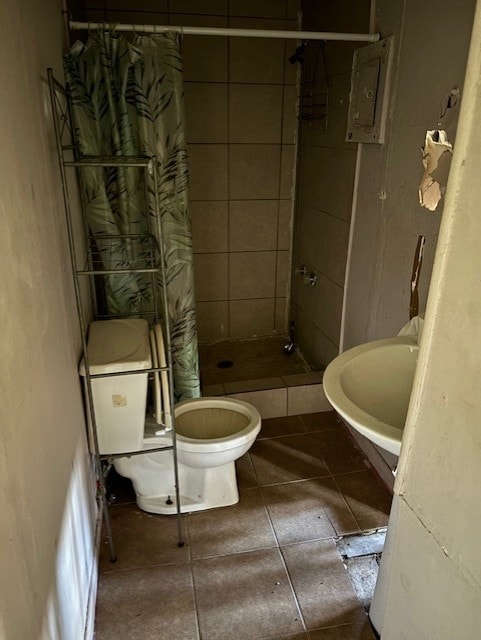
{"x": 106, "y": 518}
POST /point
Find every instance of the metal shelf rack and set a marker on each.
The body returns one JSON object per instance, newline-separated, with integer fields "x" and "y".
{"x": 101, "y": 255}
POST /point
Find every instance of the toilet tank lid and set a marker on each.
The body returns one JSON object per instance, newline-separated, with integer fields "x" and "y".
{"x": 114, "y": 346}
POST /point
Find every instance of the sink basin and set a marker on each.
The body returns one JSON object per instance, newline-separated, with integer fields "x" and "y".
{"x": 370, "y": 386}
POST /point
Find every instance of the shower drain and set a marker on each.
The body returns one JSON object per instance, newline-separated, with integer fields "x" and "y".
{"x": 225, "y": 364}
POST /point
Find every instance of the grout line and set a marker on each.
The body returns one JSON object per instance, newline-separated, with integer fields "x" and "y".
{"x": 229, "y": 306}
{"x": 187, "y": 544}
{"x": 236, "y": 553}
{"x": 347, "y": 504}
{"x": 264, "y": 502}
{"x": 241, "y": 82}
{"x": 194, "y": 595}
{"x": 293, "y": 591}
{"x": 294, "y": 595}
{"x": 154, "y": 565}
{"x": 257, "y": 479}
{"x": 294, "y": 435}
{"x": 242, "y": 200}
{"x": 282, "y": 484}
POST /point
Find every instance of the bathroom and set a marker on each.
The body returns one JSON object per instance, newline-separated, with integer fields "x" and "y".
{"x": 45, "y": 470}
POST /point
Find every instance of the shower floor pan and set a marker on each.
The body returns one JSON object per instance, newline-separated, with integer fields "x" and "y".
{"x": 232, "y": 361}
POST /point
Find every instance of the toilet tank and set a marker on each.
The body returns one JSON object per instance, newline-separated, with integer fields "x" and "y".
{"x": 120, "y": 402}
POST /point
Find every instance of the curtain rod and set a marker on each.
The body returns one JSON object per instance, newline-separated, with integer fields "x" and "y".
{"x": 227, "y": 31}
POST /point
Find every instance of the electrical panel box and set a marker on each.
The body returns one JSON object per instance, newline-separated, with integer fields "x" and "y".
{"x": 368, "y": 100}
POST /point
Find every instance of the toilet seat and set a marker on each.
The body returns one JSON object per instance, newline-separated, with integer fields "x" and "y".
{"x": 221, "y": 443}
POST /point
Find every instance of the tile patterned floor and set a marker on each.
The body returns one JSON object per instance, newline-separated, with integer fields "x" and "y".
{"x": 251, "y": 359}
{"x": 267, "y": 568}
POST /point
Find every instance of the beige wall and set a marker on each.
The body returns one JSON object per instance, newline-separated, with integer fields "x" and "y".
{"x": 326, "y": 180}
{"x": 240, "y": 120}
{"x": 434, "y": 586}
{"x": 47, "y": 501}
{"x": 387, "y": 218}
{"x": 430, "y": 52}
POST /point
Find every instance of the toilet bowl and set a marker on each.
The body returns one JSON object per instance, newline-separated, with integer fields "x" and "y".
{"x": 210, "y": 433}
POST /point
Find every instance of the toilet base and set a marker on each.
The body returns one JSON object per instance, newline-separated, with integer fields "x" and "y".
{"x": 202, "y": 489}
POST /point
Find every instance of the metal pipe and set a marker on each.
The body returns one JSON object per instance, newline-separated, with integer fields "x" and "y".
{"x": 168, "y": 347}
{"x": 228, "y": 31}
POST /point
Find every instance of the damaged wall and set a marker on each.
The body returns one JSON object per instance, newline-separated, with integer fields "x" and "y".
{"x": 431, "y": 45}
{"x": 434, "y": 588}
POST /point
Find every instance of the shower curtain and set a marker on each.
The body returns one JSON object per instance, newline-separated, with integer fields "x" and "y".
{"x": 126, "y": 99}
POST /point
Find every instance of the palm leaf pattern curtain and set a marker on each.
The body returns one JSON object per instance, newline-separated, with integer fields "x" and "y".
{"x": 127, "y": 99}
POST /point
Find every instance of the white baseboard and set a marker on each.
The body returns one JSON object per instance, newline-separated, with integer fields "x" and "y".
{"x": 89, "y": 632}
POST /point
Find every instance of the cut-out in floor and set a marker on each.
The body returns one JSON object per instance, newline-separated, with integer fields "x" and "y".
{"x": 362, "y": 555}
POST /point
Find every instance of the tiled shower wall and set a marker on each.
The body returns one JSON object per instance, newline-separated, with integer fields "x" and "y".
{"x": 326, "y": 179}
{"x": 240, "y": 97}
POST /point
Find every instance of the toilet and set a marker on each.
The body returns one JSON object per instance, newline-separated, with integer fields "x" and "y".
{"x": 211, "y": 433}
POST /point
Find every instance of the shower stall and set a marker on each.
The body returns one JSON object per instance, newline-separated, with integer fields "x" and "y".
{"x": 263, "y": 114}
{"x": 270, "y": 241}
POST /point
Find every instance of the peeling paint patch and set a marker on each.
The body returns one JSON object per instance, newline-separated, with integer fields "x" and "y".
{"x": 437, "y": 152}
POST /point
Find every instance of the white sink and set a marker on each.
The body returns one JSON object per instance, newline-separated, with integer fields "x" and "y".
{"x": 370, "y": 386}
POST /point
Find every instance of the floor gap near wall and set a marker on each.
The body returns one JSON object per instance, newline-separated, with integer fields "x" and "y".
{"x": 361, "y": 555}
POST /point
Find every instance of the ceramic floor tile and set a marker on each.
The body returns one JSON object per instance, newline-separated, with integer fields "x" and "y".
{"x": 308, "y": 510}
{"x": 296, "y": 636}
{"x": 260, "y": 358}
{"x": 300, "y": 379}
{"x": 245, "y": 596}
{"x": 338, "y": 450}
{"x": 244, "y": 592}
{"x": 259, "y": 384}
{"x": 157, "y": 602}
{"x": 359, "y": 630}
{"x": 287, "y": 459}
{"x": 321, "y": 421}
{"x": 285, "y": 426}
{"x": 141, "y": 540}
{"x": 270, "y": 403}
{"x": 321, "y": 584}
{"x": 246, "y": 476}
{"x": 242, "y": 527}
{"x": 368, "y": 498}
{"x": 213, "y": 390}
{"x": 306, "y": 398}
